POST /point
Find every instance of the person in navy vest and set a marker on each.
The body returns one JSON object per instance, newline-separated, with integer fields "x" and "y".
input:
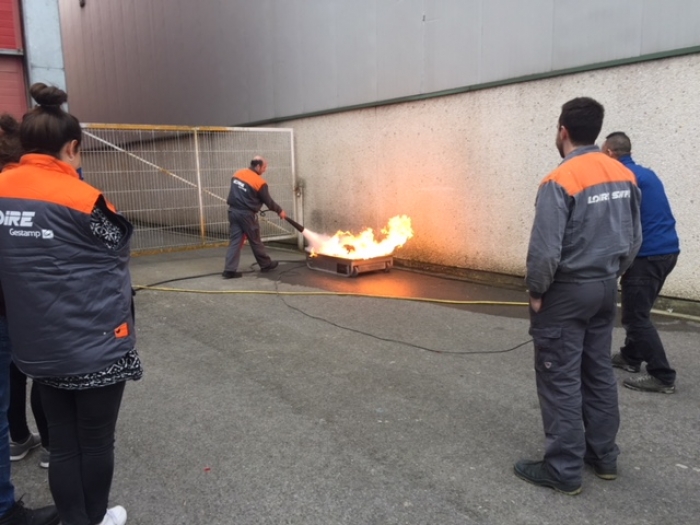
{"x": 22, "y": 440}
{"x": 64, "y": 268}
{"x": 13, "y": 512}
{"x": 642, "y": 282}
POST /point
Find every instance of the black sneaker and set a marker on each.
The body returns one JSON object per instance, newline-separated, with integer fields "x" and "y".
{"x": 20, "y": 515}
{"x": 273, "y": 265}
{"x": 619, "y": 361}
{"x": 536, "y": 472}
{"x": 647, "y": 383}
{"x": 231, "y": 275}
{"x": 20, "y": 450}
{"x": 606, "y": 472}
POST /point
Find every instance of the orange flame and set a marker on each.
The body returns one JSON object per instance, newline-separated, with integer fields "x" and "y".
{"x": 363, "y": 245}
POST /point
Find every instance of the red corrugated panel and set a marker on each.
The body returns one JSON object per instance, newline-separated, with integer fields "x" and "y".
{"x": 13, "y": 92}
{"x": 10, "y": 27}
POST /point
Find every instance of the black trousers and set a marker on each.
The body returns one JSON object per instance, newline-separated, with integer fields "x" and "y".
{"x": 17, "y": 413}
{"x": 641, "y": 285}
{"x": 81, "y": 428}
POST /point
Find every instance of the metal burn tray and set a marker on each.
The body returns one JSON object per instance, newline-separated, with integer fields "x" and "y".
{"x": 349, "y": 267}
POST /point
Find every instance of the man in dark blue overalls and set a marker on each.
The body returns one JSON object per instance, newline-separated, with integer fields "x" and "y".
{"x": 249, "y": 191}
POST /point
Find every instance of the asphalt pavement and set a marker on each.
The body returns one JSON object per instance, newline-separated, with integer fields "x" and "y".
{"x": 260, "y": 407}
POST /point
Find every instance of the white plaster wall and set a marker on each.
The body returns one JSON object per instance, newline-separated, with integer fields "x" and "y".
{"x": 466, "y": 167}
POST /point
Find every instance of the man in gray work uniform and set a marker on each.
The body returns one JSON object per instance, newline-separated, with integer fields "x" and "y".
{"x": 249, "y": 191}
{"x": 585, "y": 234}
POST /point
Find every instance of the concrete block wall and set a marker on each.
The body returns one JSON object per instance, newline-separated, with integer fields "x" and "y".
{"x": 466, "y": 167}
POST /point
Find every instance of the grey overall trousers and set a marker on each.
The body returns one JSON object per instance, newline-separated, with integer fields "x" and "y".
{"x": 244, "y": 224}
{"x": 576, "y": 385}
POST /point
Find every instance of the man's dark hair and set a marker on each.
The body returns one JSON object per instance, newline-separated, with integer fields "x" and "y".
{"x": 619, "y": 142}
{"x": 583, "y": 119}
{"x": 255, "y": 164}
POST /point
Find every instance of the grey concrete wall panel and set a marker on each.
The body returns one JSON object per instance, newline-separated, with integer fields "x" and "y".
{"x": 42, "y": 35}
{"x": 319, "y": 66}
{"x": 356, "y": 43}
{"x": 670, "y": 25}
{"x": 400, "y": 48}
{"x": 116, "y": 42}
{"x": 146, "y": 54}
{"x": 516, "y": 39}
{"x": 187, "y": 51}
{"x": 595, "y": 31}
{"x": 245, "y": 40}
{"x": 452, "y": 43}
{"x": 111, "y": 79}
{"x": 96, "y": 84}
{"x": 289, "y": 58}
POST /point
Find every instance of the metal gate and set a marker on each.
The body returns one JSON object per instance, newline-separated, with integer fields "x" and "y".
{"x": 171, "y": 182}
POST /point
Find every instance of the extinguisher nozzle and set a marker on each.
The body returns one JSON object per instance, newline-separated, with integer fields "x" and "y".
{"x": 294, "y": 223}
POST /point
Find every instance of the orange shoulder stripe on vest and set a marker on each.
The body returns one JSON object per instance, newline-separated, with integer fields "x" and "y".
{"x": 31, "y": 183}
{"x": 589, "y": 169}
{"x": 251, "y": 178}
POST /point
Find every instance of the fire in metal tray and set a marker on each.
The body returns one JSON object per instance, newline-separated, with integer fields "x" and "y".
{"x": 350, "y": 255}
{"x": 349, "y": 267}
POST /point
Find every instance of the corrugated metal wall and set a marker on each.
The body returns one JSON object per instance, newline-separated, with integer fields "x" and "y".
{"x": 10, "y": 28}
{"x": 225, "y": 62}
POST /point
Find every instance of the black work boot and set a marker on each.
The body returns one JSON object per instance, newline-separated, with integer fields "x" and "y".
{"x": 21, "y": 515}
{"x": 619, "y": 361}
{"x": 272, "y": 266}
{"x": 536, "y": 472}
{"x": 603, "y": 471}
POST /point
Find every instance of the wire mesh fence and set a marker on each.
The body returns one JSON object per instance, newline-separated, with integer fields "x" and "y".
{"x": 171, "y": 182}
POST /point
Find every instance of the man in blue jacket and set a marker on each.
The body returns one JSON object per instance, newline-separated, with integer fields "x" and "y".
{"x": 643, "y": 281}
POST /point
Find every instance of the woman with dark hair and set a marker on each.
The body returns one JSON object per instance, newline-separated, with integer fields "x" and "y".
{"x": 64, "y": 254}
